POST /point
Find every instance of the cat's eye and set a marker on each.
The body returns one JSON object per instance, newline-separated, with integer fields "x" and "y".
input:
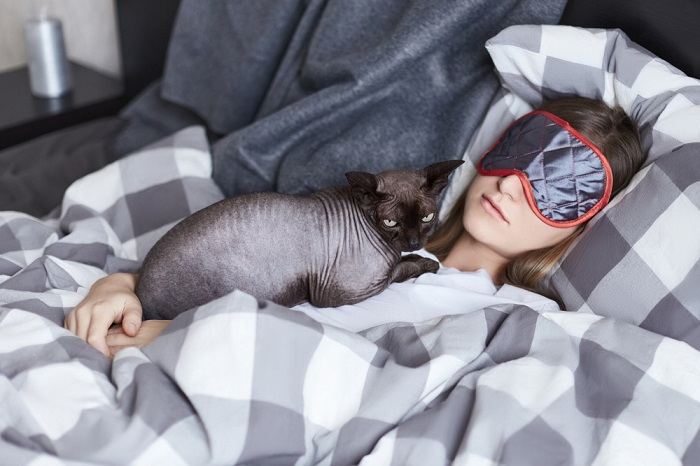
{"x": 389, "y": 223}
{"x": 428, "y": 217}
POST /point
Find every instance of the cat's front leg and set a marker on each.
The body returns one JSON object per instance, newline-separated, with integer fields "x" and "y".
{"x": 412, "y": 266}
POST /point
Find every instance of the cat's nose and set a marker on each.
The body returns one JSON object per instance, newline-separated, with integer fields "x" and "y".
{"x": 414, "y": 244}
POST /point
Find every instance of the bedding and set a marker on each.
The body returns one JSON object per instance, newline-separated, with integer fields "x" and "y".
{"x": 35, "y": 174}
{"x": 305, "y": 91}
{"x": 638, "y": 259}
{"x": 246, "y": 381}
{"x": 428, "y": 296}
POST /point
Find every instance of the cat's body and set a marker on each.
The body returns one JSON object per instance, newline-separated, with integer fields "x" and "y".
{"x": 325, "y": 248}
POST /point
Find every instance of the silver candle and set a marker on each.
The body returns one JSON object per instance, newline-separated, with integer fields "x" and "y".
{"x": 49, "y": 72}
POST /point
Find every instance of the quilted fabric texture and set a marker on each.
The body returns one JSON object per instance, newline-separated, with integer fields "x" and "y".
{"x": 638, "y": 258}
{"x": 565, "y": 177}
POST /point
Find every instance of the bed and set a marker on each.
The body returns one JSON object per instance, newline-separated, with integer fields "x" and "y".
{"x": 613, "y": 378}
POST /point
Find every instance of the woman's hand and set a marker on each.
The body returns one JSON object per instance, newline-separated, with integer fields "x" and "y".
{"x": 150, "y": 329}
{"x": 110, "y": 299}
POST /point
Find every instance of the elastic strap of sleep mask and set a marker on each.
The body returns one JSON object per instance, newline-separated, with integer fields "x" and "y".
{"x": 515, "y": 164}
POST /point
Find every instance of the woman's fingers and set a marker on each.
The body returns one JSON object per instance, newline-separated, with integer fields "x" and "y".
{"x": 97, "y": 331}
{"x": 114, "y": 349}
{"x": 120, "y": 339}
{"x": 115, "y": 329}
{"x": 70, "y": 321}
{"x": 82, "y": 322}
{"x": 80, "y": 308}
{"x": 131, "y": 319}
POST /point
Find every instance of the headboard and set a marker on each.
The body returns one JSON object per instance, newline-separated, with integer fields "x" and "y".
{"x": 669, "y": 29}
{"x": 144, "y": 29}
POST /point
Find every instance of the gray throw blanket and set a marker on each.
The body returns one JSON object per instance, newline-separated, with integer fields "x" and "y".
{"x": 295, "y": 93}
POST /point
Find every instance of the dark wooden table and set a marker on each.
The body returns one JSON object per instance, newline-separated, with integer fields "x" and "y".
{"x": 24, "y": 116}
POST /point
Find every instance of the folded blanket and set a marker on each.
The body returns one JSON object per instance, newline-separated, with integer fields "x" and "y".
{"x": 245, "y": 381}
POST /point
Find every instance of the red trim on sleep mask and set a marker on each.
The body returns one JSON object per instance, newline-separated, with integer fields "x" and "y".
{"x": 602, "y": 202}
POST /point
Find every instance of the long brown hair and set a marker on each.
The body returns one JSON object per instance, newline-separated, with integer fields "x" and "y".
{"x": 617, "y": 136}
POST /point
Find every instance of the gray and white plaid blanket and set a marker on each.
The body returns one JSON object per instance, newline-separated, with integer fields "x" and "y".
{"x": 245, "y": 381}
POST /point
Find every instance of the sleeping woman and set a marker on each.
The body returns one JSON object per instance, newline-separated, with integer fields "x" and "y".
{"x": 497, "y": 244}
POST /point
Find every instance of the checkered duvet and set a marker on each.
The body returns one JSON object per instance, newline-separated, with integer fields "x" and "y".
{"x": 241, "y": 380}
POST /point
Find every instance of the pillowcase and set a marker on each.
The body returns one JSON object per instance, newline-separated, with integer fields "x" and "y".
{"x": 638, "y": 259}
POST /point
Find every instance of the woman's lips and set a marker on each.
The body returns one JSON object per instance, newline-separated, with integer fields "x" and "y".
{"x": 491, "y": 208}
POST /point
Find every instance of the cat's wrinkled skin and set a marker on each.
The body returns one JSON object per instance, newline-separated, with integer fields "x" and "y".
{"x": 337, "y": 246}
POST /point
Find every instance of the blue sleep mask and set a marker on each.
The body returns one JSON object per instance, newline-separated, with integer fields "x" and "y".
{"x": 566, "y": 178}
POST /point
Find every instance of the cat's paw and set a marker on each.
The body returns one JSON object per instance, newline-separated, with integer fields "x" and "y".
{"x": 429, "y": 265}
{"x": 413, "y": 266}
{"x": 424, "y": 264}
{"x": 412, "y": 258}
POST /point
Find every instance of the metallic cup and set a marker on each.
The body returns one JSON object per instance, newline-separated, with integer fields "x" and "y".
{"x": 49, "y": 71}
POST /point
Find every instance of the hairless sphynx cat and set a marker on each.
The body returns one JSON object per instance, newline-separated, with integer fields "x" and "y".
{"x": 336, "y": 246}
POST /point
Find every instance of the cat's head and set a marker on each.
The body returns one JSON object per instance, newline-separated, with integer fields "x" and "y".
{"x": 402, "y": 204}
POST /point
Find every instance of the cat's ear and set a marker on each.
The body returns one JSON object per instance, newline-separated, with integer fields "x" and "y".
{"x": 364, "y": 187}
{"x": 437, "y": 174}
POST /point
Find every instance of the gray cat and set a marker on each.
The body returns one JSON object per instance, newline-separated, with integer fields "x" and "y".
{"x": 336, "y": 246}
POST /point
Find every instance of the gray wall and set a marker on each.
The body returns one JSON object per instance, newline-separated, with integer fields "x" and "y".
{"x": 89, "y": 27}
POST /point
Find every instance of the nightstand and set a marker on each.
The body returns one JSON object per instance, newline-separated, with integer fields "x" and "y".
{"x": 24, "y": 116}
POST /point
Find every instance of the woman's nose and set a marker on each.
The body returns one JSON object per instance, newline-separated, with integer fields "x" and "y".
{"x": 510, "y": 186}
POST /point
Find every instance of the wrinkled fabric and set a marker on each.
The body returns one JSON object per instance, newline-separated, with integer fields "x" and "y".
{"x": 245, "y": 381}
{"x": 296, "y": 93}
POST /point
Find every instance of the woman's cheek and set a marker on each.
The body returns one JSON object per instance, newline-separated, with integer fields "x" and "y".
{"x": 482, "y": 230}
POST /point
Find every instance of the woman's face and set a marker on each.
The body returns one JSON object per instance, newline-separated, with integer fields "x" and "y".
{"x": 523, "y": 231}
